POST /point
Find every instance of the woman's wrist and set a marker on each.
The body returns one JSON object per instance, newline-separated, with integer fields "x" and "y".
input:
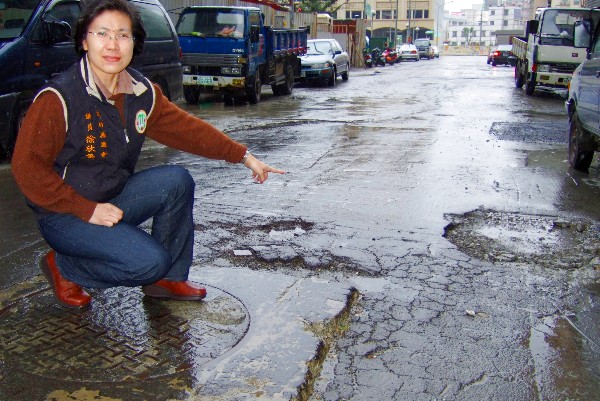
{"x": 245, "y": 158}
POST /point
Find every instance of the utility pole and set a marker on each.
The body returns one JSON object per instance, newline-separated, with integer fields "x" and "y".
{"x": 396, "y": 26}
{"x": 408, "y": 32}
{"x": 480, "y": 26}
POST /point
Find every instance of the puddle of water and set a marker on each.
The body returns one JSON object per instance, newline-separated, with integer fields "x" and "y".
{"x": 528, "y": 240}
{"x": 561, "y": 364}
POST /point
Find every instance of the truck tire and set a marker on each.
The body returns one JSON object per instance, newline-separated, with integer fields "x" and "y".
{"x": 579, "y": 159}
{"x": 287, "y": 87}
{"x": 253, "y": 91}
{"x": 160, "y": 81}
{"x": 191, "y": 94}
{"x": 346, "y": 74}
{"x": 333, "y": 77}
{"x": 530, "y": 85}
{"x": 519, "y": 80}
{"x": 7, "y": 144}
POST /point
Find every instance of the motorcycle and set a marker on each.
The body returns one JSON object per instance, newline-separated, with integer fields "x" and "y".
{"x": 391, "y": 57}
{"x": 367, "y": 59}
{"x": 377, "y": 57}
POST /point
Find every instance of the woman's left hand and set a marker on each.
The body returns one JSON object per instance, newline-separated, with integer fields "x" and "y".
{"x": 260, "y": 170}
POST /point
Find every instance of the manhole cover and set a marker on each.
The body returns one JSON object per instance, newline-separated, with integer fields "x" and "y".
{"x": 549, "y": 241}
{"x": 123, "y": 336}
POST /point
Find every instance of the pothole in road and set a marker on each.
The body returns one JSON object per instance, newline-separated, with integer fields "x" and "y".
{"x": 541, "y": 131}
{"x": 548, "y": 241}
{"x": 280, "y": 245}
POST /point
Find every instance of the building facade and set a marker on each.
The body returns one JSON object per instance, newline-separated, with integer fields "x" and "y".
{"x": 398, "y": 21}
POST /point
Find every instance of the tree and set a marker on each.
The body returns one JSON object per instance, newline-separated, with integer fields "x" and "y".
{"x": 316, "y": 6}
{"x": 468, "y": 34}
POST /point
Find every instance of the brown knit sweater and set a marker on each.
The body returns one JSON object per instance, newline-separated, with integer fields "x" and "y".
{"x": 43, "y": 133}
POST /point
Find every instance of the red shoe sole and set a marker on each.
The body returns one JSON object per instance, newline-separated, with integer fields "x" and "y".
{"x": 156, "y": 291}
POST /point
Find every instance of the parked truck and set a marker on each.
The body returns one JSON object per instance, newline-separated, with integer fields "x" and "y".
{"x": 229, "y": 50}
{"x": 545, "y": 55}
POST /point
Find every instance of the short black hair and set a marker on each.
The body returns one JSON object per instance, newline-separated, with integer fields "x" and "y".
{"x": 93, "y": 8}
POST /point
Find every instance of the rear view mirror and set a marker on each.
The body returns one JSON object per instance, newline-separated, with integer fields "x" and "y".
{"x": 582, "y": 34}
{"x": 58, "y": 31}
{"x": 531, "y": 27}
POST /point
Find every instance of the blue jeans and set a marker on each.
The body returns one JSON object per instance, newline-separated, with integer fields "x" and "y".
{"x": 126, "y": 255}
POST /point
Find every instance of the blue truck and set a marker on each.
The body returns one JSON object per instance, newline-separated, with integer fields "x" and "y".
{"x": 230, "y": 51}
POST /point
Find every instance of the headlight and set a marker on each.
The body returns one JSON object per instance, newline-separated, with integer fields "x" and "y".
{"x": 543, "y": 68}
{"x": 231, "y": 70}
{"x": 187, "y": 69}
{"x": 321, "y": 65}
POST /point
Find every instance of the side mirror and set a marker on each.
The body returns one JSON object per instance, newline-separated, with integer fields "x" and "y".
{"x": 254, "y": 33}
{"x": 531, "y": 27}
{"x": 58, "y": 31}
{"x": 582, "y": 34}
{"x": 337, "y": 52}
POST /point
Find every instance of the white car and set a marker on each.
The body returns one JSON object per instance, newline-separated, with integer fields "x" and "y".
{"x": 408, "y": 52}
{"x": 436, "y": 52}
{"x": 324, "y": 61}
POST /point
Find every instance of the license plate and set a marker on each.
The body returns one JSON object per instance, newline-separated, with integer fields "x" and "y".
{"x": 205, "y": 80}
{"x": 302, "y": 74}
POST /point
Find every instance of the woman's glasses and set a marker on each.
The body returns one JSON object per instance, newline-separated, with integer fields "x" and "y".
{"x": 119, "y": 37}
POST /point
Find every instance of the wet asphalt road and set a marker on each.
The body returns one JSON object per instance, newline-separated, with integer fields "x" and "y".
{"x": 377, "y": 169}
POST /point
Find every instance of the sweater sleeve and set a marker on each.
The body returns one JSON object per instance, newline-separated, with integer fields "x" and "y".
{"x": 40, "y": 139}
{"x": 176, "y": 128}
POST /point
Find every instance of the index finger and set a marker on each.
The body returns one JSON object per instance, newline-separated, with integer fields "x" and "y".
{"x": 275, "y": 170}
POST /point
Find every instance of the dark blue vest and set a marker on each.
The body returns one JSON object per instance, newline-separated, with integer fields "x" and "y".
{"x": 100, "y": 153}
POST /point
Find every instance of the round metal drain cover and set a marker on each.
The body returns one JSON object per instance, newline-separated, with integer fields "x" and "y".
{"x": 122, "y": 336}
{"x": 548, "y": 241}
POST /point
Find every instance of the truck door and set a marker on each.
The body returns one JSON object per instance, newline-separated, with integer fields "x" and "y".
{"x": 257, "y": 42}
{"x": 588, "y": 98}
{"x": 51, "y": 48}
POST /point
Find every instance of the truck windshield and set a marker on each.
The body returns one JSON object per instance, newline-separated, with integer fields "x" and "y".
{"x": 14, "y": 15}
{"x": 211, "y": 22}
{"x": 557, "y": 26}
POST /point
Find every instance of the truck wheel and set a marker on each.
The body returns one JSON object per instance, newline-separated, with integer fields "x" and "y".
{"x": 287, "y": 87}
{"x": 333, "y": 77}
{"x": 346, "y": 74}
{"x": 191, "y": 94}
{"x": 160, "y": 81}
{"x": 579, "y": 159}
{"x": 7, "y": 144}
{"x": 519, "y": 81}
{"x": 530, "y": 85}
{"x": 253, "y": 91}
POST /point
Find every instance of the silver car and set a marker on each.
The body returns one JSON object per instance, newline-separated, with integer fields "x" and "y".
{"x": 324, "y": 61}
{"x": 408, "y": 52}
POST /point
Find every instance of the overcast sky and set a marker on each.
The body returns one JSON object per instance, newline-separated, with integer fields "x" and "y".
{"x": 457, "y": 5}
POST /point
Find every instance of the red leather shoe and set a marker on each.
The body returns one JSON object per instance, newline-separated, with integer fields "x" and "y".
{"x": 177, "y": 290}
{"x": 66, "y": 292}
